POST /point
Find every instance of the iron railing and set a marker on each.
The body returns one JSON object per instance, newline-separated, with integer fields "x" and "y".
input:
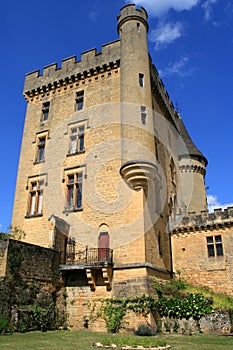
{"x": 90, "y": 256}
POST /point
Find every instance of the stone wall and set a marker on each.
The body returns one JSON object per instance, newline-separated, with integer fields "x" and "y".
{"x": 190, "y": 253}
{"x": 30, "y": 275}
{"x": 32, "y": 261}
{"x": 218, "y": 322}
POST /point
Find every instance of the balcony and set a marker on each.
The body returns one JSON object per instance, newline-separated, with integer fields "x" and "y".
{"x": 90, "y": 257}
{"x": 97, "y": 262}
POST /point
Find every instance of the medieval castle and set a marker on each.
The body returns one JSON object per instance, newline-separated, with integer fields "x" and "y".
{"x": 110, "y": 181}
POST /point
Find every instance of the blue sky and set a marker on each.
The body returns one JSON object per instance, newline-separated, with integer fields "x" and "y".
{"x": 190, "y": 42}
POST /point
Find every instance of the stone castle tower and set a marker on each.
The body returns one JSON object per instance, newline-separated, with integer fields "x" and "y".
{"x": 106, "y": 165}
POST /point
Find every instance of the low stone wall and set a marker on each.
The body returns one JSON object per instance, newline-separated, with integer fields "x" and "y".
{"x": 218, "y": 322}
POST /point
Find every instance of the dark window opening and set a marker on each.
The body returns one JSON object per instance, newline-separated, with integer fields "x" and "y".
{"x": 141, "y": 80}
{"x": 45, "y": 111}
{"x": 79, "y": 100}
{"x": 160, "y": 245}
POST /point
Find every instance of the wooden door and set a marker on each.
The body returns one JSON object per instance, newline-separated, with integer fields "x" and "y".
{"x": 103, "y": 245}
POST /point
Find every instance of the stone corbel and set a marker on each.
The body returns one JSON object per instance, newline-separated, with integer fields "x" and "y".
{"x": 91, "y": 279}
{"x": 107, "y": 276}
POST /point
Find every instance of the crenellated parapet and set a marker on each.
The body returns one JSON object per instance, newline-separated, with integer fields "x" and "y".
{"x": 160, "y": 91}
{"x": 131, "y": 12}
{"x": 92, "y": 64}
{"x": 220, "y": 218}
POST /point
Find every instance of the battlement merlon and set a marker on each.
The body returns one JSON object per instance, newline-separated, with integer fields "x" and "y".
{"x": 205, "y": 220}
{"x": 90, "y": 60}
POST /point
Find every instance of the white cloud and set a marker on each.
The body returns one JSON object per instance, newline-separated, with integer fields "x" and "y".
{"x": 213, "y": 203}
{"x": 166, "y": 34}
{"x": 159, "y": 7}
{"x": 208, "y": 8}
{"x": 179, "y": 68}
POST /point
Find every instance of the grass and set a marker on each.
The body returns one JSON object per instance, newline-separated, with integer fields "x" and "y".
{"x": 64, "y": 340}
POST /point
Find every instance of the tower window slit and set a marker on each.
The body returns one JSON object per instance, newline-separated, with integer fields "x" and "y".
{"x": 141, "y": 80}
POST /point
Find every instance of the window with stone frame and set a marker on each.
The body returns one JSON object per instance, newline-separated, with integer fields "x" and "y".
{"x": 74, "y": 191}
{"x": 214, "y": 246}
{"x": 79, "y": 100}
{"x": 45, "y": 112}
{"x": 36, "y": 192}
{"x": 41, "y": 141}
{"x": 77, "y": 139}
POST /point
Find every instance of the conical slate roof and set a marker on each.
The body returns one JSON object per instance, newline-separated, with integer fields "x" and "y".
{"x": 191, "y": 147}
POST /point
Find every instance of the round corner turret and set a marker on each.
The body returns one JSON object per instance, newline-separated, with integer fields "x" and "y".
{"x": 130, "y": 12}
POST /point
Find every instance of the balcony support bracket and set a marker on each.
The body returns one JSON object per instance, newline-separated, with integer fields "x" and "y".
{"x": 91, "y": 277}
{"x": 107, "y": 276}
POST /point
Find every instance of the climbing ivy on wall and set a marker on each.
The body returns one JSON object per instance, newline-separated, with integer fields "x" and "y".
{"x": 114, "y": 310}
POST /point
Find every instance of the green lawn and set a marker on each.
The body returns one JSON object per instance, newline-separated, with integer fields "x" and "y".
{"x": 64, "y": 340}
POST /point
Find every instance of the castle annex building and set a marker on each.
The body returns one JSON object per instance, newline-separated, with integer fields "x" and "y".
{"x": 109, "y": 177}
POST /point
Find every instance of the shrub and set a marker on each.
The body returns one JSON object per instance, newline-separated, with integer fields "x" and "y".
{"x": 4, "y": 322}
{"x": 145, "y": 330}
{"x": 194, "y": 305}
